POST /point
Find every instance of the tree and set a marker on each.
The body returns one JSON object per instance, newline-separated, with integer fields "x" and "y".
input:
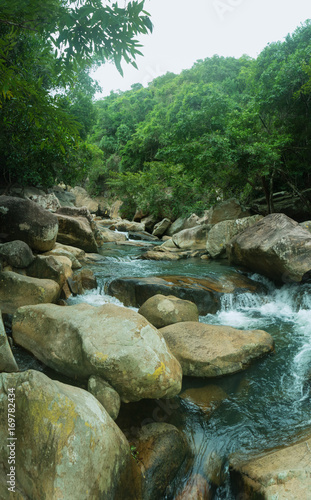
{"x": 44, "y": 49}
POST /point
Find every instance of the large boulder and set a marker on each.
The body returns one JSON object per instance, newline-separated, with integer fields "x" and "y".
{"x": 7, "y": 360}
{"x": 17, "y": 290}
{"x": 112, "y": 342}
{"x": 193, "y": 238}
{"x": 161, "y": 449}
{"x": 47, "y": 201}
{"x": 281, "y": 474}
{"x": 206, "y": 292}
{"x": 77, "y": 232}
{"x": 220, "y": 234}
{"x": 161, "y": 310}
{"x": 16, "y": 254}
{"x": 227, "y": 210}
{"x": 126, "y": 225}
{"x": 66, "y": 444}
{"x": 276, "y": 246}
{"x": 212, "y": 351}
{"x": 24, "y": 220}
{"x": 207, "y": 398}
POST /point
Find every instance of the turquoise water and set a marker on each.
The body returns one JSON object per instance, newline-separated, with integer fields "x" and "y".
{"x": 267, "y": 405}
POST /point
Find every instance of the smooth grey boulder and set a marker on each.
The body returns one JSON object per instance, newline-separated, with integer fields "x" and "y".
{"x": 161, "y": 310}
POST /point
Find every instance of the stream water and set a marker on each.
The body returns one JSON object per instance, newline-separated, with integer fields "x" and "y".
{"x": 266, "y": 405}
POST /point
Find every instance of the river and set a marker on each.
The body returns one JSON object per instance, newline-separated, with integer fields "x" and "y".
{"x": 264, "y": 406}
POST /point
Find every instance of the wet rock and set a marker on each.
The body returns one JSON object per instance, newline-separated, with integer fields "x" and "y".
{"x": 86, "y": 280}
{"x": 281, "y": 474}
{"x": 17, "y": 290}
{"x": 142, "y": 235}
{"x": 158, "y": 255}
{"x": 212, "y": 351}
{"x": 197, "y": 488}
{"x": 227, "y": 210}
{"x": 111, "y": 342}
{"x": 276, "y": 247}
{"x": 106, "y": 395}
{"x": 205, "y": 292}
{"x": 161, "y": 310}
{"x": 207, "y": 398}
{"x": 24, "y": 220}
{"x": 160, "y": 449}
{"x": 67, "y": 445}
{"x": 16, "y": 254}
{"x": 7, "y": 360}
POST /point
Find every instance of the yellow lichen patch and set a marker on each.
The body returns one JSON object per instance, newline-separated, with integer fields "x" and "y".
{"x": 100, "y": 356}
{"x": 158, "y": 372}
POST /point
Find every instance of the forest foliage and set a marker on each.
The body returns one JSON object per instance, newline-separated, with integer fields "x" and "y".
{"x": 226, "y": 127}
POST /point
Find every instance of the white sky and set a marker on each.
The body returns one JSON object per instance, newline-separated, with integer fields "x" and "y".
{"x": 185, "y": 31}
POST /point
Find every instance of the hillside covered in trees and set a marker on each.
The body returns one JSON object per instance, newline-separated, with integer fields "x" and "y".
{"x": 226, "y": 127}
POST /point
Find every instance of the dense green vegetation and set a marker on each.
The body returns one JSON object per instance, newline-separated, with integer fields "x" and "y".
{"x": 47, "y": 50}
{"x": 226, "y": 127}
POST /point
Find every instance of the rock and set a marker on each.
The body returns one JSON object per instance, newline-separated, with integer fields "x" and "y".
{"x": 65, "y": 198}
{"x": 47, "y": 267}
{"x": 78, "y": 212}
{"x": 160, "y": 228}
{"x": 205, "y": 292}
{"x": 183, "y": 223}
{"x": 306, "y": 225}
{"x": 83, "y": 199}
{"x": 67, "y": 445}
{"x": 212, "y": 351}
{"x": 76, "y": 231}
{"x": 276, "y": 247}
{"x": 227, "y": 210}
{"x": 281, "y": 474}
{"x": 207, "y": 398}
{"x": 17, "y": 290}
{"x": 106, "y": 395}
{"x": 161, "y": 449}
{"x": 149, "y": 222}
{"x": 16, "y": 254}
{"x": 162, "y": 310}
{"x": 60, "y": 252}
{"x": 162, "y": 255}
{"x": 142, "y": 235}
{"x": 196, "y": 488}
{"x": 109, "y": 236}
{"x": 193, "y": 238}
{"x": 7, "y": 360}
{"x": 78, "y": 253}
{"x": 87, "y": 279}
{"x": 47, "y": 201}
{"x": 126, "y": 226}
{"x": 222, "y": 232}
{"x": 112, "y": 342}
{"x": 24, "y": 220}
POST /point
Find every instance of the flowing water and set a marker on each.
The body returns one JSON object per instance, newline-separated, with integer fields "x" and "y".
{"x": 264, "y": 406}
